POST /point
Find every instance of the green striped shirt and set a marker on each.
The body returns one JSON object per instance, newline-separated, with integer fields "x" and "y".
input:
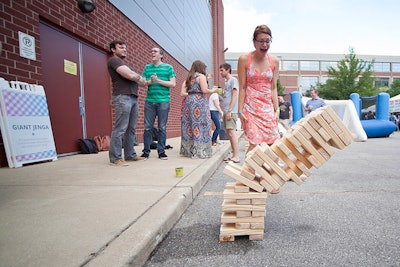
{"x": 156, "y": 93}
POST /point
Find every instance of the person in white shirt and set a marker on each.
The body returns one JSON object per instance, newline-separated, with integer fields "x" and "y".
{"x": 216, "y": 115}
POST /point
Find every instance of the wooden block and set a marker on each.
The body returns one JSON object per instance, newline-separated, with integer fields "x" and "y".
{"x": 244, "y": 171}
{"x": 230, "y": 206}
{"x": 226, "y": 238}
{"x": 294, "y": 177}
{"x": 278, "y": 179}
{"x": 255, "y": 157}
{"x": 284, "y": 154}
{"x": 243, "y": 213}
{"x": 266, "y": 185}
{"x": 241, "y": 189}
{"x": 232, "y": 172}
{"x": 303, "y": 168}
{"x": 324, "y": 153}
{"x": 318, "y": 139}
{"x": 258, "y": 213}
{"x": 242, "y": 225}
{"x": 300, "y": 157}
{"x": 257, "y": 226}
{"x": 230, "y": 194}
{"x": 231, "y": 218}
{"x": 267, "y": 149}
{"x": 263, "y": 173}
{"x": 270, "y": 158}
{"x": 229, "y": 229}
{"x": 324, "y": 134}
{"x": 243, "y": 201}
{"x": 347, "y": 136}
{"x": 307, "y": 146}
{"x": 258, "y": 201}
{"x": 256, "y": 237}
{"x": 335, "y": 140}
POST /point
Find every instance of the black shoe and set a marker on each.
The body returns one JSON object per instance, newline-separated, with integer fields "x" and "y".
{"x": 145, "y": 156}
{"x": 163, "y": 156}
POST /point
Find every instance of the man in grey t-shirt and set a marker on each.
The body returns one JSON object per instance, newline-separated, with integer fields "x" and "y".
{"x": 230, "y": 107}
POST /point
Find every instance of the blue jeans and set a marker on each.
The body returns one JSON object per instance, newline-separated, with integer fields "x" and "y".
{"x": 151, "y": 111}
{"x": 123, "y": 133}
{"x": 217, "y": 121}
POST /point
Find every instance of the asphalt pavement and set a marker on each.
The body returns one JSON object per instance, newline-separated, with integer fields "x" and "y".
{"x": 346, "y": 213}
{"x": 80, "y": 211}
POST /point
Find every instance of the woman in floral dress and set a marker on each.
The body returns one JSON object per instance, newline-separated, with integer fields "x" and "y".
{"x": 196, "y": 118}
{"x": 258, "y": 104}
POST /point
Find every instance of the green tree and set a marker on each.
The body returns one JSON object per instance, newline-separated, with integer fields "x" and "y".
{"x": 394, "y": 88}
{"x": 352, "y": 75}
{"x": 280, "y": 88}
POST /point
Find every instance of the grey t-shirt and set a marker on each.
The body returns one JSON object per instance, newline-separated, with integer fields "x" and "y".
{"x": 230, "y": 85}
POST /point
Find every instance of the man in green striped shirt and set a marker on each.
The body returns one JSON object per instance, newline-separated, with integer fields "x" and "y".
{"x": 160, "y": 78}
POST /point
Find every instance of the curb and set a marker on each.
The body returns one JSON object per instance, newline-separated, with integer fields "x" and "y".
{"x": 134, "y": 246}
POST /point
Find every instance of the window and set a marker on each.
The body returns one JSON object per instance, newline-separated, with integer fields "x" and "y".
{"x": 381, "y": 82}
{"x": 395, "y": 67}
{"x": 325, "y": 65}
{"x": 306, "y": 82}
{"x": 381, "y": 67}
{"x": 233, "y": 63}
{"x": 324, "y": 79}
{"x": 290, "y": 65}
{"x": 309, "y": 65}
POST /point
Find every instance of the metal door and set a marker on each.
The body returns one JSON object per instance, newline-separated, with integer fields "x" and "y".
{"x": 77, "y": 88}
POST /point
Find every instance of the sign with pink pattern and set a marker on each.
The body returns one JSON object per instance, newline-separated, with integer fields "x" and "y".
{"x": 25, "y": 124}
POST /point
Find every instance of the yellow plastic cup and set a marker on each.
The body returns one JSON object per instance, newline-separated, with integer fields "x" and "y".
{"x": 179, "y": 171}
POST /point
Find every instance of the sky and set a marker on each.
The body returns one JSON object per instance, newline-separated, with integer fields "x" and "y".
{"x": 315, "y": 26}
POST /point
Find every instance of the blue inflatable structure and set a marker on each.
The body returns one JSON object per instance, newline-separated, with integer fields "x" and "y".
{"x": 381, "y": 126}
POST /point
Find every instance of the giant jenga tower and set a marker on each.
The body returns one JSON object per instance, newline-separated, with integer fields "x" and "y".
{"x": 309, "y": 143}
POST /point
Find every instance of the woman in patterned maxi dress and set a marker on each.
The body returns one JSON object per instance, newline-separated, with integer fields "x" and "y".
{"x": 196, "y": 118}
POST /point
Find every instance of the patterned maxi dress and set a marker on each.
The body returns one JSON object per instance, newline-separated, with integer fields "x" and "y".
{"x": 196, "y": 124}
{"x": 261, "y": 125}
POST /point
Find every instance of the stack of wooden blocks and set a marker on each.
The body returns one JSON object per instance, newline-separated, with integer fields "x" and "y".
{"x": 309, "y": 143}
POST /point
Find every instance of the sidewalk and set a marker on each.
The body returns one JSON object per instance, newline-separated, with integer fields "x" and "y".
{"x": 80, "y": 211}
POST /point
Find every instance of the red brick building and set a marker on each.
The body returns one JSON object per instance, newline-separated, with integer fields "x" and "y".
{"x": 66, "y": 38}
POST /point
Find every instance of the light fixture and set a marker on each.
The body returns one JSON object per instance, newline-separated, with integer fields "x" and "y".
{"x": 86, "y": 6}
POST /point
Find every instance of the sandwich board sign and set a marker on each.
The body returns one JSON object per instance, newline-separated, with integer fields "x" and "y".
{"x": 25, "y": 124}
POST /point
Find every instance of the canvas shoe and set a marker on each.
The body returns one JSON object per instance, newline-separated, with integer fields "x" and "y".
{"x": 137, "y": 159}
{"x": 120, "y": 163}
{"x": 145, "y": 156}
{"x": 163, "y": 156}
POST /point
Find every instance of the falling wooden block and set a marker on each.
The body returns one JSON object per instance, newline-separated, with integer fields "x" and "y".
{"x": 335, "y": 140}
{"x": 266, "y": 176}
{"x": 291, "y": 161}
{"x": 235, "y": 174}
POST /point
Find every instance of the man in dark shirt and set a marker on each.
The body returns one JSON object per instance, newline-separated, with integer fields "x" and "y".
{"x": 125, "y": 83}
{"x": 285, "y": 113}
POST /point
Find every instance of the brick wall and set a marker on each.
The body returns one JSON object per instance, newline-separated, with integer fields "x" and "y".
{"x": 98, "y": 28}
